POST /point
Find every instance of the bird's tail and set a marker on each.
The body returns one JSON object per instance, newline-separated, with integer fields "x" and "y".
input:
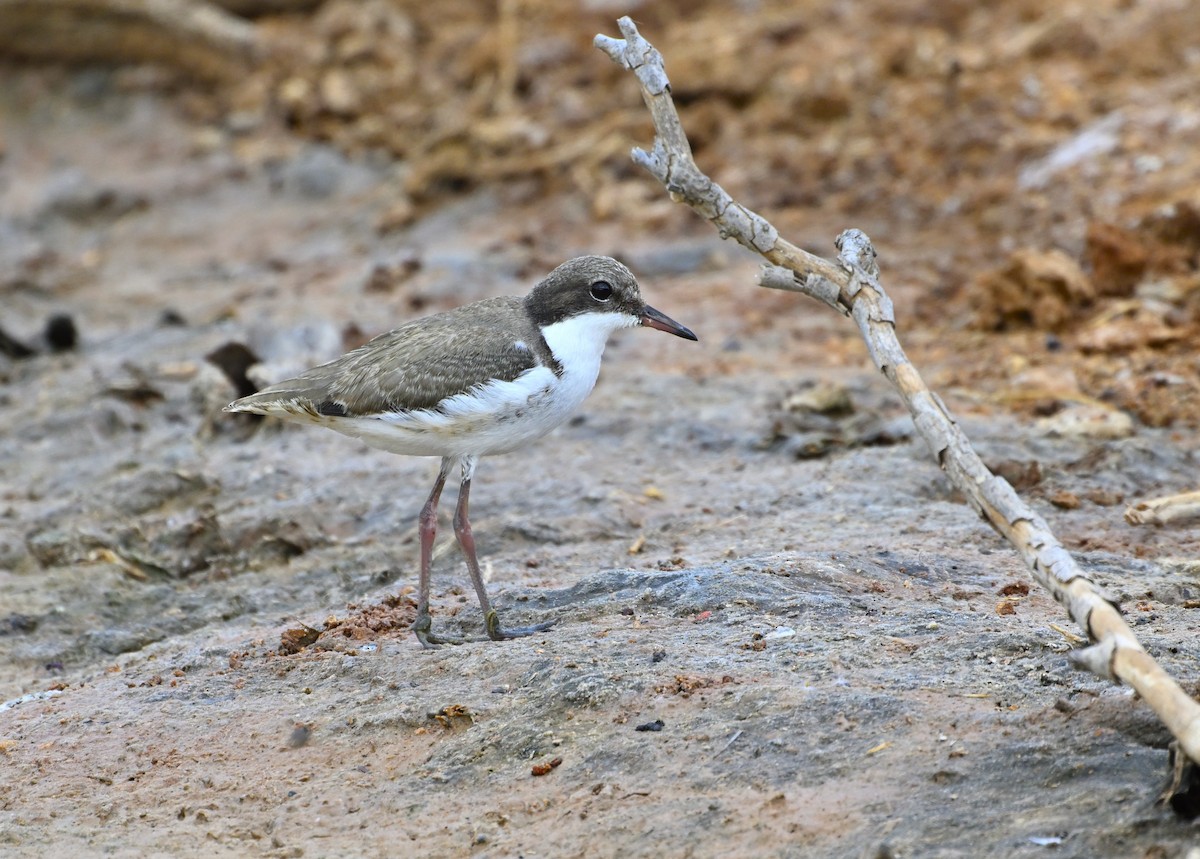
{"x": 282, "y": 400}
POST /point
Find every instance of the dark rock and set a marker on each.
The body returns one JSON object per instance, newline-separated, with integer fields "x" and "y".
{"x": 234, "y": 359}
{"x": 60, "y": 333}
{"x": 18, "y": 624}
{"x": 14, "y": 348}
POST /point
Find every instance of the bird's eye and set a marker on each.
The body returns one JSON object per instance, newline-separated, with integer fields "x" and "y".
{"x": 602, "y": 290}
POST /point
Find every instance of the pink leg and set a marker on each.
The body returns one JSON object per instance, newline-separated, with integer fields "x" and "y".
{"x": 466, "y": 540}
{"x": 428, "y": 530}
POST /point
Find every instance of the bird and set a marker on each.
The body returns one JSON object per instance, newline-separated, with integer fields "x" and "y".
{"x": 479, "y": 380}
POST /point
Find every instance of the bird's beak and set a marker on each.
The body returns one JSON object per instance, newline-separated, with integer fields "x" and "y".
{"x": 652, "y": 318}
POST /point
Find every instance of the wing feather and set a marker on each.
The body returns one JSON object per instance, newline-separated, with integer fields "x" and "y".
{"x": 415, "y": 366}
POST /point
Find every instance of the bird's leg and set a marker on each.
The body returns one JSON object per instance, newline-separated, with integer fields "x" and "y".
{"x": 462, "y": 530}
{"x": 428, "y": 530}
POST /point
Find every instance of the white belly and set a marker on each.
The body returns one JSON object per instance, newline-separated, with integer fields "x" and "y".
{"x": 498, "y": 417}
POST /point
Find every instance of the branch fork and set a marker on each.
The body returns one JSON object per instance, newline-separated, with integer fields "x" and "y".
{"x": 852, "y": 287}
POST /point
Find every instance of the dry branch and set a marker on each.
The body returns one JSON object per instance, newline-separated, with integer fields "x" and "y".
{"x": 1160, "y": 511}
{"x": 254, "y": 8}
{"x": 193, "y": 36}
{"x": 853, "y": 288}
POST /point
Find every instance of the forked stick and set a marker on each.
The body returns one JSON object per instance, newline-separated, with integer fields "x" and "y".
{"x": 853, "y": 289}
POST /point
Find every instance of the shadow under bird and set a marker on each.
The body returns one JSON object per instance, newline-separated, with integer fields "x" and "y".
{"x": 486, "y": 378}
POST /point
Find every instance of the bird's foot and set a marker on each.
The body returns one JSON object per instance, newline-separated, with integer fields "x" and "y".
{"x": 423, "y": 629}
{"x": 496, "y": 633}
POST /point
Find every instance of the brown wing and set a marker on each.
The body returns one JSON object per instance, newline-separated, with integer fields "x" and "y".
{"x": 415, "y": 366}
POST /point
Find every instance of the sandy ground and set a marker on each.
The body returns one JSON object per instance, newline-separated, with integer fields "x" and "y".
{"x": 756, "y": 653}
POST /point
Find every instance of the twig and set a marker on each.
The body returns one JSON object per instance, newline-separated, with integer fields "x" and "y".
{"x": 1160, "y": 511}
{"x": 191, "y": 35}
{"x": 853, "y": 288}
{"x": 508, "y": 69}
{"x": 725, "y": 747}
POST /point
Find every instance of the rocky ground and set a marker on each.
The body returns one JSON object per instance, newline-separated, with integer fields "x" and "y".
{"x": 779, "y": 630}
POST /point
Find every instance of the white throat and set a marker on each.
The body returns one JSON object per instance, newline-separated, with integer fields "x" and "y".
{"x": 578, "y": 343}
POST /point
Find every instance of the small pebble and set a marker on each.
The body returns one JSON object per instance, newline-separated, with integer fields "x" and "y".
{"x": 299, "y": 736}
{"x": 779, "y": 632}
